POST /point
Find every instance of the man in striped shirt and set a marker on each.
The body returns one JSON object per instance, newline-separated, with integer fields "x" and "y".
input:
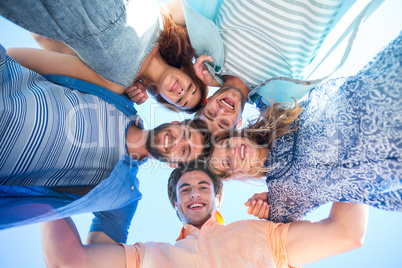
{"x": 70, "y": 147}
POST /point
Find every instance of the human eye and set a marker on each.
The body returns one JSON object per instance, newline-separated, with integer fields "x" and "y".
{"x": 194, "y": 90}
{"x": 225, "y": 124}
{"x": 226, "y": 163}
{"x": 227, "y": 144}
{"x": 183, "y": 151}
{"x": 178, "y": 102}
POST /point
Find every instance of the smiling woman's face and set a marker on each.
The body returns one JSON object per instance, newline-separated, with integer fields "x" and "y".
{"x": 223, "y": 110}
{"x": 236, "y": 155}
{"x": 178, "y": 89}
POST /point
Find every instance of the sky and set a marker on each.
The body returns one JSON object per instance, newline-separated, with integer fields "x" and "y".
{"x": 155, "y": 219}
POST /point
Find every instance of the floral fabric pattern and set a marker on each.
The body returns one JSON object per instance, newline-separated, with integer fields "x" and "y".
{"x": 348, "y": 146}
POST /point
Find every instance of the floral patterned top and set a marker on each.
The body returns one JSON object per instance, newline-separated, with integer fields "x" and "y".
{"x": 348, "y": 146}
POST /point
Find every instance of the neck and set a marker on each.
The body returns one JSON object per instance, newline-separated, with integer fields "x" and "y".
{"x": 156, "y": 67}
{"x": 136, "y": 142}
{"x": 234, "y": 81}
{"x": 263, "y": 154}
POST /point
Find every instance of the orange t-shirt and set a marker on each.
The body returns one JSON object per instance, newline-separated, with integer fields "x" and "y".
{"x": 246, "y": 243}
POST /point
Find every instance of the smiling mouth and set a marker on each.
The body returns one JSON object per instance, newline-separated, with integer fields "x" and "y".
{"x": 242, "y": 151}
{"x": 228, "y": 103}
{"x": 166, "y": 139}
{"x": 196, "y": 206}
{"x": 175, "y": 86}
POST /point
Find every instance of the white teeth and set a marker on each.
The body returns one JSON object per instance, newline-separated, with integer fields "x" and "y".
{"x": 242, "y": 152}
{"x": 195, "y": 205}
{"x": 166, "y": 141}
{"x": 227, "y": 104}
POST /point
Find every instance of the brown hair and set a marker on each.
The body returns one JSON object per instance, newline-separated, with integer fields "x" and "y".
{"x": 196, "y": 165}
{"x": 276, "y": 121}
{"x": 175, "y": 48}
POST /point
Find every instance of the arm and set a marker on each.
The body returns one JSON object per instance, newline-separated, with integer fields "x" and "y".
{"x": 342, "y": 231}
{"x": 49, "y": 62}
{"x": 62, "y": 247}
{"x": 53, "y": 45}
{"x": 176, "y": 9}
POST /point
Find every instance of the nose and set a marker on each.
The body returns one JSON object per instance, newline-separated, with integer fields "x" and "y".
{"x": 195, "y": 193}
{"x": 181, "y": 92}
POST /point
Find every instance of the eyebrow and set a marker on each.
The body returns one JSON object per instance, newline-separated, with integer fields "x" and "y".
{"x": 187, "y": 184}
{"x": 189, "y": 151}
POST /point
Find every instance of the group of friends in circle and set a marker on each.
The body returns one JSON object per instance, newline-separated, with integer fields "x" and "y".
{"x": 334, "y": 140}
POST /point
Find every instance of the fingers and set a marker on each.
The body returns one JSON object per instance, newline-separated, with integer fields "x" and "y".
{"x": 137, "y": 95}
{"x": 258, "y": 208}
{"x": 203, "y": 58}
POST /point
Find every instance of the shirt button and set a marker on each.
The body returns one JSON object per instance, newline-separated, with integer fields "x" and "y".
{"x": 132, "y": 188}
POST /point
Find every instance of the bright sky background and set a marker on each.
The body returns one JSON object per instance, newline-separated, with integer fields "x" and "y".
{"x": 156, "y": 220}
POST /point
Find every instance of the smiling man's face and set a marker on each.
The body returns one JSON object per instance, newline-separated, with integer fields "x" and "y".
{"x": 175, "y": 143}
{"x": 195, "y": 198}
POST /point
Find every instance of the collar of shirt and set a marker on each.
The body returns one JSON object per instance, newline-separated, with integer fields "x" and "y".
{"x": 188, "y": 229}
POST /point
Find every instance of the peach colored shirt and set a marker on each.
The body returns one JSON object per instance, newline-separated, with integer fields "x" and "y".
{"x": 246, "y": 243}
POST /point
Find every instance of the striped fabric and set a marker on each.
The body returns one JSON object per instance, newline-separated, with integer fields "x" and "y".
{"x": 54, "y": 136}
{"x": 265, "y": 39}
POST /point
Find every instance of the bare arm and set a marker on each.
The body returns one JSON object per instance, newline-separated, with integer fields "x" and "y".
{"x": 49, "y": 62}
{"x": 176, "y": 10}
{"x": 342, "y": 231}
{"x": 62, "y": 247}
{"x": 53, "y": 45}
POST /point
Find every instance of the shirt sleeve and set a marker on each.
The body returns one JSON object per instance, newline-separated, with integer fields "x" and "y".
{"x": 132, "y": 256}
{"x": 277, "y": 235}
{"x": 114, "y": 223}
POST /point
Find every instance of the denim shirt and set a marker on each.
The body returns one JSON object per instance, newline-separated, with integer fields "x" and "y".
{"x": 110, "y": 36}
{"x": 116, "y": 198}
{"x": 200, "y": 19}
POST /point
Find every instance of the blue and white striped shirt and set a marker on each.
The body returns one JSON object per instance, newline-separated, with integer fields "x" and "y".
{"x": 54, "y": 136}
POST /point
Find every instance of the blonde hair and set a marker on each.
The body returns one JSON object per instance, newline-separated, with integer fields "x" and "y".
{"x": 276, "y": 121}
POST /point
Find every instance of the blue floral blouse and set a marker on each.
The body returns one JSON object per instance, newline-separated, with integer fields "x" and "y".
{"x": 348, "y": 146}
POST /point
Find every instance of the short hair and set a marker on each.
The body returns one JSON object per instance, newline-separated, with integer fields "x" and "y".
{"x": 202, "y": 127}
{"x": 193, "y": 166}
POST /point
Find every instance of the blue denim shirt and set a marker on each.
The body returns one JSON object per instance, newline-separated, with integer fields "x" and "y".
{"x": 116, "y": 198}
{"x": 200, "y": 16}
{"x": 110, "y": 36}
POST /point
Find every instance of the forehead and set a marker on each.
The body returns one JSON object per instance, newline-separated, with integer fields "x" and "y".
{"x": 194, "y": 177}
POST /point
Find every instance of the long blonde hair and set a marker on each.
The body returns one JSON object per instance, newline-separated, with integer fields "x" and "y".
{"x": 276, "y": 121}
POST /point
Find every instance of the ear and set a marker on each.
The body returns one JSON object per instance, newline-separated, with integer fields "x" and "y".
{"x": 175, "y": 122}
{"x": 173, "y": 165}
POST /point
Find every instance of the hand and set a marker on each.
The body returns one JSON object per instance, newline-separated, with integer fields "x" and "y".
{"x": 137, "y": 93}
{"x": 258, "y": 205}
{"x": 201, "y": 70}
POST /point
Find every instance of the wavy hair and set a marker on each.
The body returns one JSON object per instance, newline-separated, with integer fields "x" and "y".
{"x": 175, "y": 48}
{"x": 276, "y": 121}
